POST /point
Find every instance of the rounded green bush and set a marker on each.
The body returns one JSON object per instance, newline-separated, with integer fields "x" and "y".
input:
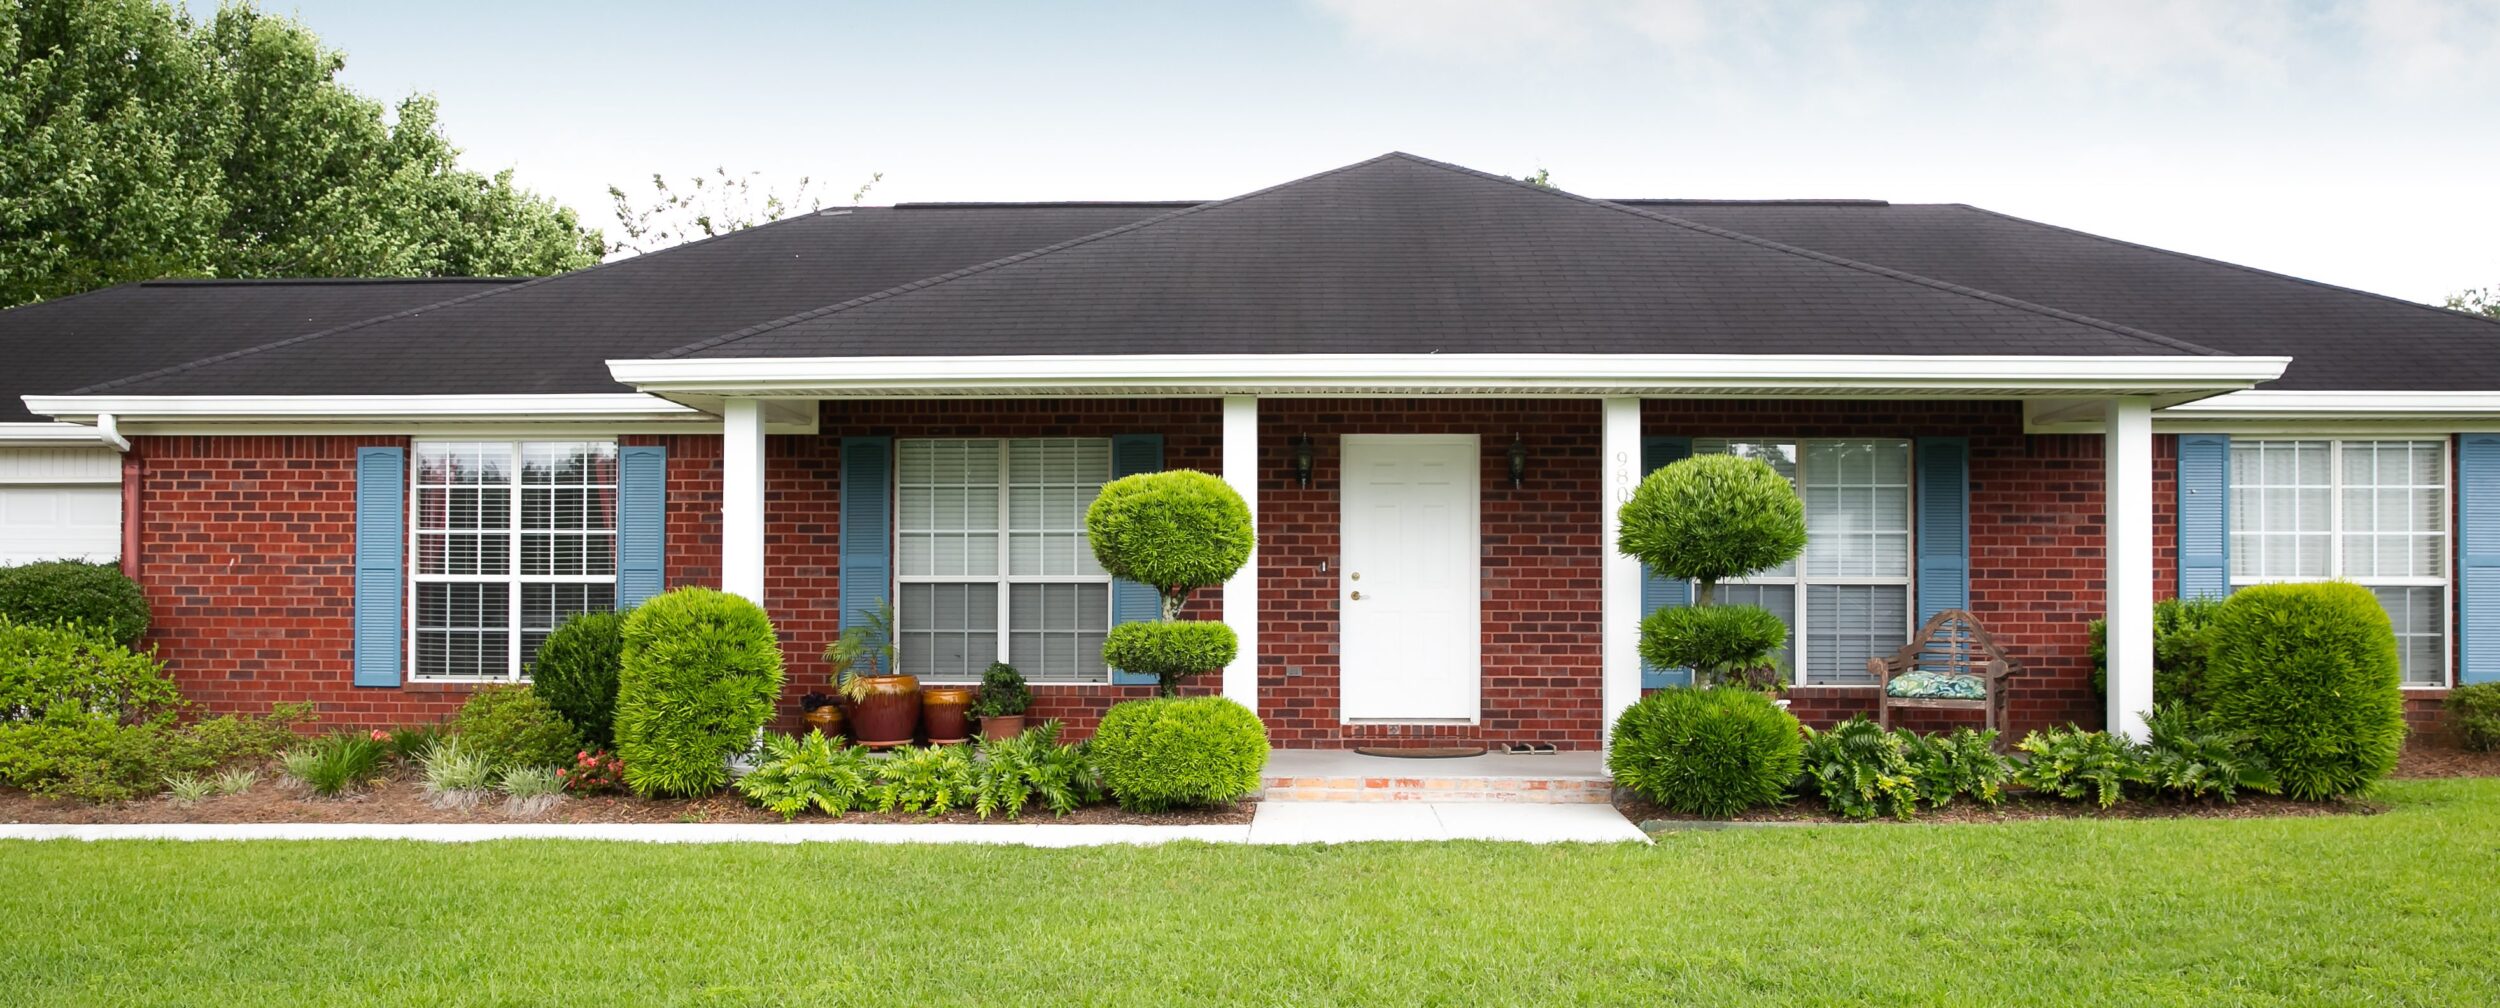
{"x": 2475, "y": 711}
{"x": 71, "y": 671}
{"x": 1169, "y": 650}
{"x": 576, "y": 673}
{"x": 1173, "y": 530}
{"x": 2179, "y": 646}
{"x": 2308, "y": 673}
{"x": 1713, "y": 517}
{"x": 1712, "y": 752}
{"x": 512, "y": 726}
{"x": 1714, "y": 640}
{"x": 698, "y": 677}
{"x": 1167, "y": 753}
{"x": 97, "y": 595}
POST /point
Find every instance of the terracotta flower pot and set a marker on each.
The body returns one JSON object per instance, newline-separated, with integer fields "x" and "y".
{"x": 829, "y": 720}
{"x": 889, "y": 713}
{"x": 944, "y": 713}
{"x": 1002, "y": 726}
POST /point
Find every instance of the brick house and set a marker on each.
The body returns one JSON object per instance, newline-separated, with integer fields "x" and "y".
{"x": 1433, "y": 385}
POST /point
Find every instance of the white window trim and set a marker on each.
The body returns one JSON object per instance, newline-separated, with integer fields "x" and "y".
{"x": 2446, "y": 581}
{"x": 1005, "y": 581}
{"x": 1799, "y": 581}
{"x": 512, "y": 577}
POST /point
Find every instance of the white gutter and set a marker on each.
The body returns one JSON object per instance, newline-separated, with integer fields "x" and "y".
{"x": 613, "y": 407}
{"x": 46, "y": 433}
{"x": 2262, "y": 404}
{"x": 1524, "y": 373}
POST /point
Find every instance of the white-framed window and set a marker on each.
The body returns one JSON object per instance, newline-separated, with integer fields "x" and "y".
{"x": 1848, "y": 598}
{"x": 509, "y": 539}
{"x": 991, "y": 559}
{"x": 2374, "y": 512}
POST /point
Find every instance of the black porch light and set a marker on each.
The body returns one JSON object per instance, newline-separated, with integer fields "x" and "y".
{"x": 1518, "y": 461}
{"x": 1302, "y": 460}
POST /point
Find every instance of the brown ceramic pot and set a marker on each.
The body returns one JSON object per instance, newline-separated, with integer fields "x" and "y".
{"x": 1002, "y": 726}
{"x": 887, "y": 715}
{"x": 945, "y": 713}
{"x": 827, "y": 719}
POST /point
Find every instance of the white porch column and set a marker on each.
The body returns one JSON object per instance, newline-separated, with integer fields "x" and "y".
{"x": 1241, "y": 592}
{"x": 742, "y": 499}
{"x": 1619, "y": 576}
{"x": 2128, "y": 453}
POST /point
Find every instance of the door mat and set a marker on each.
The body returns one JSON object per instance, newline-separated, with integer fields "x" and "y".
{"x": 1422, "y": 752}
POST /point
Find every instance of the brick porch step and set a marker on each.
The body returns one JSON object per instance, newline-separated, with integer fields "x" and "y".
{"x": 1346, "y": 776}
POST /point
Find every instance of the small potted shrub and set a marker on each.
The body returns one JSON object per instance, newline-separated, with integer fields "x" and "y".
{"x": 1176, "y": 532}
{"x": 823, "y": 712}
{"x": 1707, "y": 519}
{"x": 1003, "y": 701}
{"x": 885, "y": 705}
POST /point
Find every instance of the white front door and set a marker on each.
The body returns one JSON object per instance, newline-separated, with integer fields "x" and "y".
{"x": 1408, "y": 595}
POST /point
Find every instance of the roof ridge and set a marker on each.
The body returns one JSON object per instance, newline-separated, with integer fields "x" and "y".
{"x": 189, "y": 366}
{"x": 978, "y": 268}
{"x": 2176, "y": 254}
{"x": 1834, "y": 201}
{"x": 320, "y": 281}
{"x": 1825, "y": 257}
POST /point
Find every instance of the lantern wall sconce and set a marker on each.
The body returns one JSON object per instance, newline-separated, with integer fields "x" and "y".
{"x": 1302, "y": 460}
{"x": 1518, "y": 462}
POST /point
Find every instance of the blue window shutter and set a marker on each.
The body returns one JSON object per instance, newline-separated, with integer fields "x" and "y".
{"x": 1131, "y": 602}
{"x": 381, "y": 558}
{"x": 867, "y": 577}
{"x": 641, "y": 523}
{"x": 1657, "y": 592}
{"x": 2478, "y": 554}
{"x": 2204, "y": 515}
{"x": 1943, "y": 525}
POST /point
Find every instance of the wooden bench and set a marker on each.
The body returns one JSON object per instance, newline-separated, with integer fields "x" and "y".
{"x": 1953, "y": 643}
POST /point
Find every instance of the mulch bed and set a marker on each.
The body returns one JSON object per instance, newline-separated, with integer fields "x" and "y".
{"x": 401, "y": 798}
{"x": 2444, "y": 761}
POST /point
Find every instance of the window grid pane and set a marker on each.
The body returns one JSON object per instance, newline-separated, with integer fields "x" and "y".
{"x": 958, "y": 502}
{"x": 500, "y": 525}
{"x": 2374, "y": 512}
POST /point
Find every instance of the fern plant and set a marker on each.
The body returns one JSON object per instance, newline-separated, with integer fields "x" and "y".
{"x": 1861, "y": 770}
{"x": 2074, "y": 764}
{"x": 1963, "y": 763}
{"x": 1015, "y": 771}
{"x": 811, "y": 773}
{"x": 932, "y": 781}
{"x": 2189, "y": 757}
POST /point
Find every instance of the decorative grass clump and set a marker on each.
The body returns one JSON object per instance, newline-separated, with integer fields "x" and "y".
{"x": 2307, "y": 674}
{"x": 1712, "y": 752}
{"x": 1167, "y": 753}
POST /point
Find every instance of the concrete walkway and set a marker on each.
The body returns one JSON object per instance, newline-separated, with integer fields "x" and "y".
{"x": 1275, "y": 823}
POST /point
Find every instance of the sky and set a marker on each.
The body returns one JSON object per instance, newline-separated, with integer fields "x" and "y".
{"x": 2355, "y": 142}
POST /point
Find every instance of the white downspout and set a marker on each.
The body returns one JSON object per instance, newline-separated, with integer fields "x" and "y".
{"x": 108, "y": 430}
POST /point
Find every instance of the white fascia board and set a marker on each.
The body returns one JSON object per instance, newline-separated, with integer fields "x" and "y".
{"x": 620, "y": 407}
{"x": 1527, "y": 373}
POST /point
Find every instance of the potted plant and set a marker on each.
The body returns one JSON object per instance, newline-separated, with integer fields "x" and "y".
{"x": 946, "y": 714}
{"x": 1707, "y": 519}
{"x": 1003, "y": 701}
{"x": 885, "y": 705}
{"x": 823, "y": 712}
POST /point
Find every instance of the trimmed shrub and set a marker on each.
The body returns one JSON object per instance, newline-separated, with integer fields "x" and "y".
{"x": 1170, "y": 650}
{"x": 699, "y": 674}
{"x": 1173, "y": 530}
{"x": 1719, "y": 643}
{"x": 71, "y": 671}
{"x": 1168, "y": 753}
{"x": 512, "y": 726}
{"x": 2180, "y": 645}
{"x": 2308, "y": 673}
{"x": 1713, "y": 517}
{"x": 576, "y": 674}
{"x": 93, "y": 759}
{"x": 96, "y": 595}
{"x": 1712, "y": 752}
{"x": 2475, "y": 711}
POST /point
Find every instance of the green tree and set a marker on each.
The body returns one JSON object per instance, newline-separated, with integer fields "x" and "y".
{"x": 136, "y": 142}
{"x": 2485, "y": 301}
{"x": 705, "y": 206}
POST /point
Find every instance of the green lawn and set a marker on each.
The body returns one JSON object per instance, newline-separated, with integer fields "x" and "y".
{"x": 2395, "y": 909}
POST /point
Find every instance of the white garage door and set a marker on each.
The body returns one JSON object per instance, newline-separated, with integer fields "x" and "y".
{"x": 54, "y": 522}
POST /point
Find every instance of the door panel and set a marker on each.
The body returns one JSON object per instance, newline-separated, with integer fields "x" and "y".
{"x": 59, "y": 523}
{"x": 1408, "y": 588}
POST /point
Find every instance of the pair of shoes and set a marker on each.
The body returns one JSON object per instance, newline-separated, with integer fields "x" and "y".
{"x": 1530, "y": 749}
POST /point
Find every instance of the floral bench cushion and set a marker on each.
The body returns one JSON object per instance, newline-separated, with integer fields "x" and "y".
{"x": 1937, "y": 686}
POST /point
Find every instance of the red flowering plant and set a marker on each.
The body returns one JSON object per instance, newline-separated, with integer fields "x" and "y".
{"x": 592, "y": 772}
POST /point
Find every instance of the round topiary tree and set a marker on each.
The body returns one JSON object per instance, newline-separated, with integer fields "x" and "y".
{"x": 1712, "y": 752}
{"x": 699, "y": 672}
{"x": 1176, "y": 532}
{"x": 94, "y": 595}
{"x": 1162, "y": 754}
{"x": 576, "y": 673}
{"x": 2308, "y": 672}
{"x": 1707, "y": 519}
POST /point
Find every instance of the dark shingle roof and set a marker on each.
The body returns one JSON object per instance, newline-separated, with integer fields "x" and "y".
{"x": 60, "y": 345}
{"x": 1404, "y": 255}
{"x": 555, "y": 335}
{"x": 2337, "y": 338}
